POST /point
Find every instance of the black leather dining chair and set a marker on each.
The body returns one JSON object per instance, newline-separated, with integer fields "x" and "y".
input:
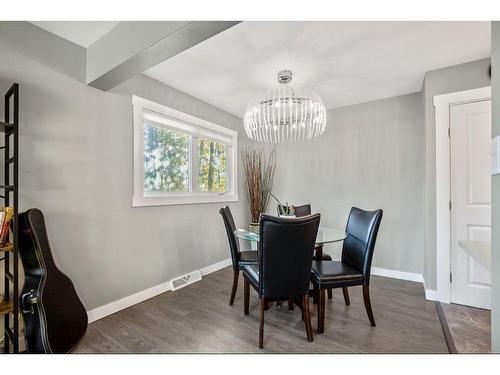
{"x": 354, "y": 268}
{"x": 238, "y": 258}
{"x": 300, "y": 211}
{"x": 284, "y": 269}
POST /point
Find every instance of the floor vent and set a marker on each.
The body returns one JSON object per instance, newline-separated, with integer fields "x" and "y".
{"x": 182, "y": 281}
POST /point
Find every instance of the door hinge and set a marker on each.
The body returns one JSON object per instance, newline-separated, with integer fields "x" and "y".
{"x": 449, "y": 133}
{"x": 451, "y": 278}
{"x": 450, "y": 205}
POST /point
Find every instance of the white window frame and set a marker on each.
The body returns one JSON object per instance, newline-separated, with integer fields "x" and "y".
{"x": 196, "y": 127}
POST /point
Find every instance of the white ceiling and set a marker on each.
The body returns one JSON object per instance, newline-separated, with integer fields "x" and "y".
{"x": 345, "y": 62}
{"x": 83, "y": 33}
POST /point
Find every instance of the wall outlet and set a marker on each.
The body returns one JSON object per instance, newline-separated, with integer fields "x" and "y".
{"x": 495, "y": 156}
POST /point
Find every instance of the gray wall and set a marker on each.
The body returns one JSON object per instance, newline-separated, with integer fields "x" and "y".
{"x": 76, "y": 165}
{"x": 455, "y": 78}
{"x": 495, "y": 193}
{"x": 370, "y": 156}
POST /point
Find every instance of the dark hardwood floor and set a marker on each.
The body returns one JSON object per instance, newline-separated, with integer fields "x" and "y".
{"x": 198, "y": 318}
{"x": 470, "y": 328}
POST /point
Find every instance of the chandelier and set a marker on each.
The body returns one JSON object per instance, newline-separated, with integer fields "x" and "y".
{"x": 285, "y": 114}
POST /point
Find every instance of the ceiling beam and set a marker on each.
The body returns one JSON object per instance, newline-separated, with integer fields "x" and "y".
{"x": 131, "y": 48}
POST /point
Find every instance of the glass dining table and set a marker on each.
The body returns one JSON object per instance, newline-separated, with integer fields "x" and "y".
{"x": 325, "y": 235}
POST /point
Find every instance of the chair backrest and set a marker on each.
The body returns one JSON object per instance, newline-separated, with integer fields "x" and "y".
{"x": 285, "y": 255}
{"x": 234, "y": 245}
{"x": 362, "y": 229}
{"x": 300, "y": 211}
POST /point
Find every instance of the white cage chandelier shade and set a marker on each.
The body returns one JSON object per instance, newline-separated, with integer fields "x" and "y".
{"x": 285, "y": 115}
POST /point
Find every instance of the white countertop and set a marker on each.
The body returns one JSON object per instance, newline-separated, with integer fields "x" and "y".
{"x": 479, "y": 250}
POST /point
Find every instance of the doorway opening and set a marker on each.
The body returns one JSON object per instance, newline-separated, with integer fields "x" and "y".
{"x": 463, "y": 197}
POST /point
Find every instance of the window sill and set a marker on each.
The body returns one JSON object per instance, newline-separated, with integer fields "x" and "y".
{"x": 178, "y": 200}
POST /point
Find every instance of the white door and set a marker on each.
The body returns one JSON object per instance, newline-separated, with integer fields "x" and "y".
{"x": 470, "y": 134}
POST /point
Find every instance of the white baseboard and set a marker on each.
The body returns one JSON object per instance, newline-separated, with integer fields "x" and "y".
{"x": 215, "y": 267}
{"x": 123, "y": 303}
{"x": 408, "y": 276}
{"x": 431, "y": 295}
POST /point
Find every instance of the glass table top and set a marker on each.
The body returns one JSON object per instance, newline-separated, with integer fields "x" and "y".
{"x": 325, "y": 235}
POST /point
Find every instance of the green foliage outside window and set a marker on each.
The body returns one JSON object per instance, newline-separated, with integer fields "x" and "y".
{"x": 212, "y": 175}
{"x": 166, "y": 160}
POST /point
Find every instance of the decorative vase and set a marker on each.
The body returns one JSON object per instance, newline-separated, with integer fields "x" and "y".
{"x": 254, "y": 227}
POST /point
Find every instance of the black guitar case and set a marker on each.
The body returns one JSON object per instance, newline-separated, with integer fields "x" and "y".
{"x": 54, "y": 317}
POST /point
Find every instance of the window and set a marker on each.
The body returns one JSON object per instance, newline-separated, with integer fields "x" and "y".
{"x": 181, "y": 159}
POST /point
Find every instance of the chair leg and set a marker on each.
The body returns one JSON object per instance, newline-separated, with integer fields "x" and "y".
{"x": 261, "y": 327}
{"x": 330, "y": 294}
{"x": 235, "y": 286}
{"x": 290, "y": 303}
{"x": 246, "y": 302}
{"x": 315, "y": 294}
{"x": 307, "y": 317}
{"x": 368, "y": 305}
{"x": 346, "y": 295}
{"x": 321, "y": 311}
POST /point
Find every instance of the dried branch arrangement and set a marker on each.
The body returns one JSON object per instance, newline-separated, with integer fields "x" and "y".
{"x": 259, "y": 173}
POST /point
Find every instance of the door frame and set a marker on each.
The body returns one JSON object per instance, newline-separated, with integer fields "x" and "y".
{"x": 442, "y": 104}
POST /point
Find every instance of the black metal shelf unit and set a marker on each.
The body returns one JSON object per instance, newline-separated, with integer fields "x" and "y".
{"x": 9, "y": 307}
